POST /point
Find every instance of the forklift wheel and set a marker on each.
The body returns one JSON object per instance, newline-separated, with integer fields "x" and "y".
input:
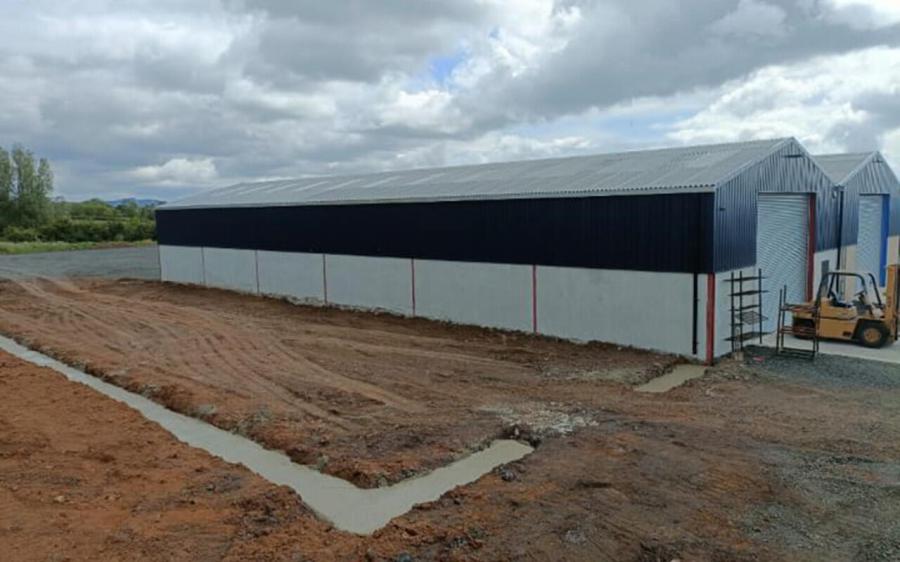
{"x": 873, "y": 335}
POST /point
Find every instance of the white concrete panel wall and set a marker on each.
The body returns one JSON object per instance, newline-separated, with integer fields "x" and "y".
{"x": 831, "y": 257}
{"x": 367, "y": 282}
{"x": 181, "y": 264}
{"x": 893, "y": 255}
{"x": 289, "y": 274}
{"x": 703, "y": 316}
{"x": 635, "y": 308}
{"x": 848, "y": 256}
{"x": 230, "y": 269}
{"x": 491, "y": 295}
{"x": 641, "y": 309}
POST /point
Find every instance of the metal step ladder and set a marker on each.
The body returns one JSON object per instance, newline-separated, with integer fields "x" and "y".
{"x": 800, "y": 332}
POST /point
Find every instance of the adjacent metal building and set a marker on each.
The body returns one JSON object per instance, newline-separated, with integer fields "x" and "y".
{"x": 632, "y": 248}
{"x": 869, "y": 225}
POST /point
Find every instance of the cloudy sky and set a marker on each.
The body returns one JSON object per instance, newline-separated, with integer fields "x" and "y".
{"x": 161, "y": 98}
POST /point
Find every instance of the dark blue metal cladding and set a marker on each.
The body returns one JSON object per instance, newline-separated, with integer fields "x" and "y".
{"x": 641, "y": 232}
{"x": 788, "y": 170}
{"x": 849, "y": 226}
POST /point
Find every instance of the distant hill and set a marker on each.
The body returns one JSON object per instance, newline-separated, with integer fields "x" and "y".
{"x": 140, "y": 202}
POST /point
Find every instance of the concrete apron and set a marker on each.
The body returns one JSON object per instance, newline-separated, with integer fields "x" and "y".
{"x": 887, "y": 354}
{"x": 351, "y": 509}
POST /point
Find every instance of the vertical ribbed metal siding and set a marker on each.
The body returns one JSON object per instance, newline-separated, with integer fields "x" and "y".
{"x": 878, "y": 177}
{"x": 788, "y": 170}
{"x": 670, "y": 233}
{"x": 782, "y": 244}
{"x": 871, "y": 236}
{"x": 883, "y": 180}
{"x": 874, "y": 178}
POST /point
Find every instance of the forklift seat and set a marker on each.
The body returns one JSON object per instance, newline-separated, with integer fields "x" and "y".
{"x": 837, "y": 302}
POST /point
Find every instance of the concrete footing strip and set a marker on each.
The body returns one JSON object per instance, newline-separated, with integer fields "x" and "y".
{"x": 347, "y": 507}
{"x": 679, "y": 375}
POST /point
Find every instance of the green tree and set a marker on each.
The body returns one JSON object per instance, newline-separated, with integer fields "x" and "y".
{"x": 45, "y": 179}
{"x": 6, "y": 188}
{"x": 94, "y": 209}
{"x": 28, "y": 212}
{"x": 23, "y": 187}
{"x": 129, "y": 209}
{"x": 31, "y": 188}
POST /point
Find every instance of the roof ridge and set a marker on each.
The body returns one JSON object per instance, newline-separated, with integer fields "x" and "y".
{"x": 775, "y": 148}
{"x": 866, "y": 158}
{"x": 659, "y": 169}
{"x": 838, "y": 154}
{"x": 523, "y": 161}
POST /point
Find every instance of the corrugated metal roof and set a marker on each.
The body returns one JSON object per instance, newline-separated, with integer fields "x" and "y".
{"x": 841, "y": 167}
{"x": 696, "y": 168}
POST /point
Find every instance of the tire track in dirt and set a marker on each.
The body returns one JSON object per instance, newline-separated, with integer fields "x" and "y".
{"x": 64, "y": 305}
{"x": 243, "y": 342}
{"x": 377, "y": 397}
{"x": 745, "y": 464}
{"x": 208, "y": 339}
{"x": 206, "y": 348}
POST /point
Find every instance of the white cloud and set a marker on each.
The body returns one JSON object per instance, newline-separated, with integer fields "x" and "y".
{"x": 530, "y": 32}
{"x": 426, "y": 110}
{"x": 504, "y": 147}
{"x": 831, "y": 103}
{"x": 890, "y": 143}
{"x": 864, "y": 14}
{"x": 178, "y": 172}
{"x": 246, "y": 93}
{"x": 491, "y": 147}
{"x": 177, "y": 95}
{"x": 122, "y": 37}
{"x": 753, "y": 17}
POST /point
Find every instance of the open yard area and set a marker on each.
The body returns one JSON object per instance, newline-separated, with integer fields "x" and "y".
{"x": 764, "y": 460}
{"x": 455, "y": 281}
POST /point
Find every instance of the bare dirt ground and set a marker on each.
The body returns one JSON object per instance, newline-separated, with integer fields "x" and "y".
{"x": 772, "y": 460}
{"x": 364, "y": 397}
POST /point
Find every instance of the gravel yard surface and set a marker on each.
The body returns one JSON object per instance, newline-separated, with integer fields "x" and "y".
{"x": 134, "y": 263}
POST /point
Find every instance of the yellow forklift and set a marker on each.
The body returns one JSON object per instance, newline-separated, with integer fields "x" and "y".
{"x": 867, "y": 319}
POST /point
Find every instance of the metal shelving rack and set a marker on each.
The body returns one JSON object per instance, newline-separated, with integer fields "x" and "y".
{"x": 746, "y": 309}
{"x": 806, "y": 333}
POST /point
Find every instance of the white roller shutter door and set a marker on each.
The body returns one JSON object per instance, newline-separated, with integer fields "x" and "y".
{"x": 871, "y": 240}
{"x": 782, "y": 243}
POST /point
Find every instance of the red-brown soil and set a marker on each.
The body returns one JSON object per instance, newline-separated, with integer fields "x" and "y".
{"x": 758, "y": 463}
{"x": 368, "y": 398}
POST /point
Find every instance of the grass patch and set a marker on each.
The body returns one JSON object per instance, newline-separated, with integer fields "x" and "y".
{"x": 37, "y": 247}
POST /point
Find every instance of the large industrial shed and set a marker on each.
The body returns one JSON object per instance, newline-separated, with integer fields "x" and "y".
{"x": 633, "y": 248}
{"x": 869, "y": 225}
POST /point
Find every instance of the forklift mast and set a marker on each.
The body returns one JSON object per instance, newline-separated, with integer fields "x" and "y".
{"x": 891, "y": 312}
